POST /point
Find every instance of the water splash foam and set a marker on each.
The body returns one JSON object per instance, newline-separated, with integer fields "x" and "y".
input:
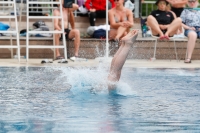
{"x": 84, "y": 80}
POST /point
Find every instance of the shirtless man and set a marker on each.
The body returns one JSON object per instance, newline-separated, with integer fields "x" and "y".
{"x": 177, "y": 6}
{"x": 69, "y": 34}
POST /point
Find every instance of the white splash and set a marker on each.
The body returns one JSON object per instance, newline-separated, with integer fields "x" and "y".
{"x": 93, "y": 80}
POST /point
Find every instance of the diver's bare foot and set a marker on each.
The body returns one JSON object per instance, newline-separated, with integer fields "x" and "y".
{"x": 131, "y": 36}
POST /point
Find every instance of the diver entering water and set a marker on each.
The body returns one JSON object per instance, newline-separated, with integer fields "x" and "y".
{"x": 120, "y": 58}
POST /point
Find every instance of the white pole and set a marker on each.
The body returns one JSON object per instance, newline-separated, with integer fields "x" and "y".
{"x": 137, "y": 8}
{"x": 107, "y": 44}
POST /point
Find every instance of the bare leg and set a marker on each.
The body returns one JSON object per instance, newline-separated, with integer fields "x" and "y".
{"x": 57, "y": 42}
{"x": 112, "y": 34}
{"x": 120, "y": 32}
{"x": 152, "y": 22}
{"x": 174, "y": 26}
{"x": 117, "y": 34}
{"x": 192, "y": 36}
{"x": 120, "y": 57}
{"x": 74, "y": 33}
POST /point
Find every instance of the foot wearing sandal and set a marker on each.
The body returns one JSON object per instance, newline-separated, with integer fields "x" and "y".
{"x": 46, "y": 61}
{"x": 59, "y": 57}
{"x": 63, "y": 61}
{"x": 188, "y": 60}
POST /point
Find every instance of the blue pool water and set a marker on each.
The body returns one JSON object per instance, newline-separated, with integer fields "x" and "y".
{"x": 76, "y": 100}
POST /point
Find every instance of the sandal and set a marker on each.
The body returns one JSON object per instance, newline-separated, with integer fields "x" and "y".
{"x": 63, "y": 61}
{"x": 59, "y": 57}
{"x": 188, "y": 60}
{"x": 46, "y": 61}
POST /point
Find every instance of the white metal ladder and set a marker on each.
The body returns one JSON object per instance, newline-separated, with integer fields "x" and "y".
{"x": 16, "y": 31}
{"x": 50, "y": 2}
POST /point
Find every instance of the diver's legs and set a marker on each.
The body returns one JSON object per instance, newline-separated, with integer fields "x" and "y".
{"x": 121, "y": 55}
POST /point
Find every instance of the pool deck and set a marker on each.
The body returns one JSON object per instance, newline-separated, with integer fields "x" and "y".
{"x": 96, "y": 62}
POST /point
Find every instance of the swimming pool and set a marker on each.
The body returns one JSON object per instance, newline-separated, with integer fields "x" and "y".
{"x": 75, "y": 100}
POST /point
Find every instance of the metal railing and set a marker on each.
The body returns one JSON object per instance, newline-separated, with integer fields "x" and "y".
{"x": 147, "y": 7}
{"x": 46, "y": 8}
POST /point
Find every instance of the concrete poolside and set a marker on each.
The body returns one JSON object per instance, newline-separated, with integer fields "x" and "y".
{"x": 95, "y": 62}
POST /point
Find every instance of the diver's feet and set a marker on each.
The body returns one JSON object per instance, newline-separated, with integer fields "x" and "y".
{"x": 130, "y": 37}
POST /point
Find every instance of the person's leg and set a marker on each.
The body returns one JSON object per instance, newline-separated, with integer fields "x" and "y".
{"x": 75, "y": 33}
{"x": 57, "y": 42}
{"x": 192, "y": 36}
{"x": 120, "y": 32}
{"x": 121, "y": 55}
{"x": 112, "y": 34}
{"x": 92, "y": 18}
{"x": 117, "y": 34}
{"x": 101, "y": 13}
{"x": 153, "y": 24}
{"x": 173, "y": 27}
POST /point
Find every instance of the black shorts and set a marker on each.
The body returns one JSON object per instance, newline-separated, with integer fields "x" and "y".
{"x": 67, "y": 31}
{"x": 163, "y": 31}
{"x": 177, "y": 11}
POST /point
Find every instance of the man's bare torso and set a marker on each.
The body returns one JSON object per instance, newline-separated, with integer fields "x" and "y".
{"x": 65, "y": 18}
{"x": 179, "y": 5}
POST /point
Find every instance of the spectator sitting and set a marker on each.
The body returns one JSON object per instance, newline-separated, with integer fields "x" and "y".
{"x": 69, "y": 34}
{"x": 191, "y": 24}
{"x": 97, "y": 9}
{"x": 121, "y": 20}
{"x": 162, "y": 22}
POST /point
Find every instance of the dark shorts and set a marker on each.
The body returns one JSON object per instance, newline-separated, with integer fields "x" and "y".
{"x": 163, "y": 31}
{"x": 197, "y": 31}
{"x": 67, "y": 31}
{"x": 177, "y": 11}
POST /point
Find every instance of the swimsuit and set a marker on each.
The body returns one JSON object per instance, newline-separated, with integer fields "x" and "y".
{"x": 67, "y": 31}
{"x": 177, "y": 11}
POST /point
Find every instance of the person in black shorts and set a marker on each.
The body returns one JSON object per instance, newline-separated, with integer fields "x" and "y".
{"x": 162, "y": 22}
{"x": 177, "y": 11}
{"x": 68, "y": 18}
{"x": 177, "y": 6}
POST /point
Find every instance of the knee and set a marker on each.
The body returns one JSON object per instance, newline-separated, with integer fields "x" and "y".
{"x": 92, "y": 14}
{"x": 192, "y": 35}
{"x": 77, "y": 32}
{"x": 150, "y": 18}
{"x": 178, "y": 20}
{"x": 75, "y": 6}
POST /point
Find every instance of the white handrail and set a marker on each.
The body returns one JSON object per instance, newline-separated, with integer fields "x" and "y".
{"x": 51, "y": 2}
{"x": 16, "y": 31}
